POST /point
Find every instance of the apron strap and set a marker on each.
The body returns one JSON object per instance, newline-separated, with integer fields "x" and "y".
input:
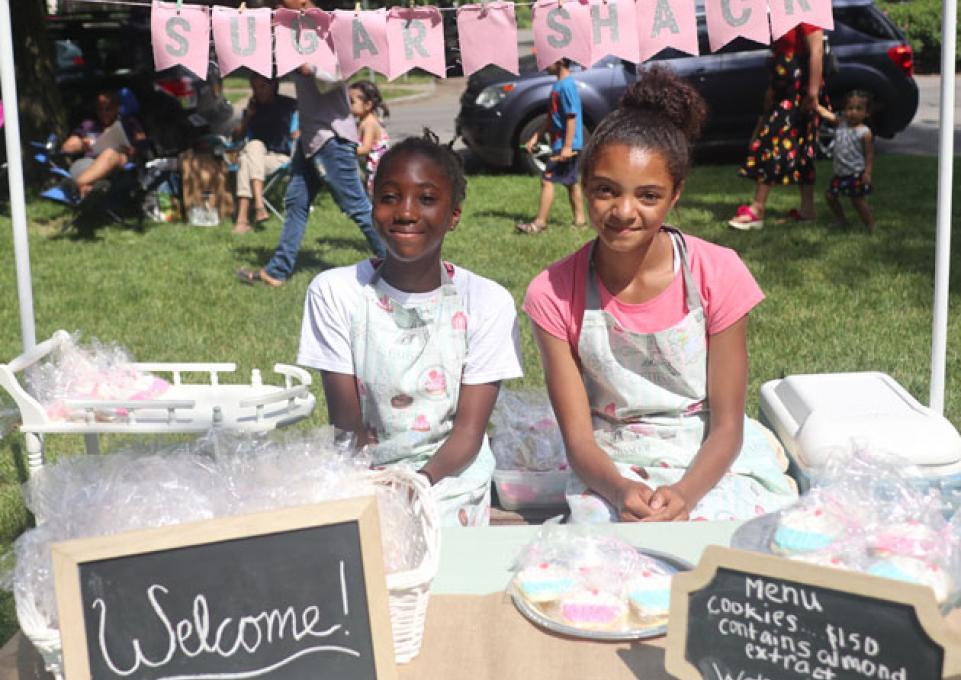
{"x": 592, "y": 298}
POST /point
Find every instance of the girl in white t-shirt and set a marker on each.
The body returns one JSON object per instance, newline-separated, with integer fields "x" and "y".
{"x": 412, "y": 349}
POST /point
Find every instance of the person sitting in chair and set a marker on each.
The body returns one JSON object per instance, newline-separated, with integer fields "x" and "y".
{"x": 267, "y": 125}
{"x": 106, "y": 142}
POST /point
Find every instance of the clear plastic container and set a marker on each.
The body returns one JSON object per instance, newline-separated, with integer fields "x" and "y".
{"x": 519, "y": 489}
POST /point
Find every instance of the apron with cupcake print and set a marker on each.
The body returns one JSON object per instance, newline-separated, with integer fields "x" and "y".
{"x": 648, "y": 397}
{"x": 408, "y": 359}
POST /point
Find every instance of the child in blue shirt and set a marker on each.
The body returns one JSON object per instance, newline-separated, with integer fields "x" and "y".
{"x": 565, "y": 124}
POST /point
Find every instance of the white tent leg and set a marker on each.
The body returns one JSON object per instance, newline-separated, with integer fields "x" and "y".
{"x": 34, "y": 443}
{"x": 942, "y": 253}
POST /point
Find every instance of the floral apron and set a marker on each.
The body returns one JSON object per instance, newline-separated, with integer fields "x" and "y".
{"x": 648, "y": 396}
{"x": 408, "y": 360}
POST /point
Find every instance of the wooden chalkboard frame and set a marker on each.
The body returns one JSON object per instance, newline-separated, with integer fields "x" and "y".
{"x": 68, "y": 556}
{"x": 716, "y": 557}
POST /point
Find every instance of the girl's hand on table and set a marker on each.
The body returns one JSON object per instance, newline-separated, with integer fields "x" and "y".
{"x": 633, "y": 501}
{"x": 668, "y": 505}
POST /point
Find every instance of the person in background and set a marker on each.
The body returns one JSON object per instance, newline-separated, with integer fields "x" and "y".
{"x": 643, "y": 335}
{"x": 268, "y": 126}
{"x": 781, "y": 150}
{"x": 412, "y": 349}
{"x": 367, "y": 104}
{"x": 565, "y": 123}
{"x": 93, "y": 166}
{"x": 326, "y": 153}
{"x": 853, "y": 157}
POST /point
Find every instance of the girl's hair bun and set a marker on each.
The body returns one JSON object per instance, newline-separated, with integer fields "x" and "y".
{"x": 659, "y": 90}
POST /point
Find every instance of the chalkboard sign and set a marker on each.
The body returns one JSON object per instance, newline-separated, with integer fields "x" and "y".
{"x": 744, "y": 616}
{"x": 293, "y": 594}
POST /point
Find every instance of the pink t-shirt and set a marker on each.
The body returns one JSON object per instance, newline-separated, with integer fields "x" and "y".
{"x": 555, "y": 298}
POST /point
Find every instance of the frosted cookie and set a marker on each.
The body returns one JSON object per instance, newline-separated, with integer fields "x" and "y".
{"x": 544, "y": 582}
{"x": 649, "y": 594}
{"x": 915, "y": 571}
{"x": 908, "y": 539}
{"x": 594, "y": 610}
{"x": 805, "y": 529}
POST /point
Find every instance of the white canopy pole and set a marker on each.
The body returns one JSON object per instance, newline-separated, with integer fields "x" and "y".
{"x": 942, "y": 253}
{"x": 18, "y": 206}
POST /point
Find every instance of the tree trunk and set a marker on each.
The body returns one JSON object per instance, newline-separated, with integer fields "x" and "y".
{"x": 41, "y": 109}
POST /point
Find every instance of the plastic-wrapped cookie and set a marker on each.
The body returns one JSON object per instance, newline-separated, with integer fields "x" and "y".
{"x": 912, "y": 570}
{"x": 649, "y": 595}
{"x": 544, "y": 582}
{"x": 594, "y": 610}
{"x": 907, "y": 539}
{"x": 805, "y": 529}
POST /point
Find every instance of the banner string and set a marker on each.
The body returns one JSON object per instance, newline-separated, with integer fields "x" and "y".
{"x": 131, "y": 3}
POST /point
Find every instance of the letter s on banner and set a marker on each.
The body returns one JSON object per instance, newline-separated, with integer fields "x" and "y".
{"x": 666, "y": 23}
{"x": 730, "y": 19}
{"x": 488, "y": 35}
{"x": 786, "y": 14}
{"x": 243, "y": 38}
{"x": 415, "y": 39}
{"x": 180, "y": 37}
{"x": 561, "y": 30}
{"x": 303, "y": 38}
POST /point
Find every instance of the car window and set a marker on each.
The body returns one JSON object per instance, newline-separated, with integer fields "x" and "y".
{"x": 866, "y": 20}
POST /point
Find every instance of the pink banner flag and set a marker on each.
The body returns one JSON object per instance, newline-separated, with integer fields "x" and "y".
{"x": 303, "y": 38}
{"x": 415, "y": 39}
{"x": 180, "y": 36}
{"x": 613, "y": 30}
{"x": 666, "y": 23}
{"x": 786, "y": 14}
{"x": 243, "y": 38}
{"x": 730, "y": 19}
{"x": 559, "y": 31}
{"x": 360, "y": 40}
{"x": 488, "y": 35}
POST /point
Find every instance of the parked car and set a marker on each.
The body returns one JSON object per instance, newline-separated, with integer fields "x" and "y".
{"x": 97, "y": 51}
{"x": 500, "y": 111}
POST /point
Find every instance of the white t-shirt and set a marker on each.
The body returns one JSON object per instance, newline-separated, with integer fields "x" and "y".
{"x": 493, "y": 348}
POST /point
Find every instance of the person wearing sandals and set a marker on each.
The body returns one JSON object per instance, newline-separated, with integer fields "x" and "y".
{"x": 643, "y": 335}
{"x": 565, "y": 124}
{"x": 782, "y": 148}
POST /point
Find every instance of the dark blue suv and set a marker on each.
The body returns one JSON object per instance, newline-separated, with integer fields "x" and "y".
{"x": 499, "y": 111}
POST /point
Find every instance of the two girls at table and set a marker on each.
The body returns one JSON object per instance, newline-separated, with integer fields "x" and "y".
{"x": 642, "y": 333}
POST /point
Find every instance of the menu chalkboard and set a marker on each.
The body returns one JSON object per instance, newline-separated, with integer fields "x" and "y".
{"x": 743, "y": 616}
{"x": 297, "y": 594}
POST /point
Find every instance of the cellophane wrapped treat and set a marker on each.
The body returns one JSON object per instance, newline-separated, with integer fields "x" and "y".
{"x": 579, "y": 579}
{"x": 218, "y": 475}
{"x": 866, "y": 513}
{"x": 525, "y": 433}
{"x": 91, "y": 371}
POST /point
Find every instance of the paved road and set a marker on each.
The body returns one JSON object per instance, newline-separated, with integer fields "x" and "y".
{"x": 439, "y": 110}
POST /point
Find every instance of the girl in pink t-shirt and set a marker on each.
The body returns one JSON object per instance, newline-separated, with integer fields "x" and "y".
{"x": 643, "y": 335}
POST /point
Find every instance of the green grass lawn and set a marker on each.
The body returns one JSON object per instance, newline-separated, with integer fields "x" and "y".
{"x": 836, "y": 300}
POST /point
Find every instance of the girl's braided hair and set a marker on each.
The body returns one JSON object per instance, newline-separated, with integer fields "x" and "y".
{"x": 430, "y": 146}
{"x": 661, "y": 112}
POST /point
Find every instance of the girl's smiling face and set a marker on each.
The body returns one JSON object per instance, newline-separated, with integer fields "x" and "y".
{"x": 413, "y": 207}
{"x": 629, "y": 193}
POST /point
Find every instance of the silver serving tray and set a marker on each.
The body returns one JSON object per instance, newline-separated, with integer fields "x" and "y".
{"x": 530, "y": 611}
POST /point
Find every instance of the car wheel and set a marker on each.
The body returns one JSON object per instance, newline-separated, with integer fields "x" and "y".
{"x": 533, "y": 163}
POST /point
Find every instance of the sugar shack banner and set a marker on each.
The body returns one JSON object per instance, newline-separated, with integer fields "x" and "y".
{"x": 397, "y": 40}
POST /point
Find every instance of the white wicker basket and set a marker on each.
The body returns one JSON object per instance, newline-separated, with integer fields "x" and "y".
{"x": 408, "y": 591}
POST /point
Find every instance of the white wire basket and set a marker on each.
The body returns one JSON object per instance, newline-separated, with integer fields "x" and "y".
{"x": 408, "y": 591}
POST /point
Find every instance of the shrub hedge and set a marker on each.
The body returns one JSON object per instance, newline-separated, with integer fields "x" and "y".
{"x": 921, "y": 22}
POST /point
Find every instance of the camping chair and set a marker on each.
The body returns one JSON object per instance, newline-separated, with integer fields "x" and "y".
{"x": 276, "y": 177}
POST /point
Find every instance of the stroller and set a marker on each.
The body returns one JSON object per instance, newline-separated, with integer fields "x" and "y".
{"x": 123, "y": 198}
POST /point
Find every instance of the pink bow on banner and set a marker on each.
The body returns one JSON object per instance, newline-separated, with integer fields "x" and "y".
{"x": 786, "y": 14}
{"x": 243, "y": 38}
{"x": 730, "y": 19}
{"x": 303, "y": 38}
{"x": 360, "y": 40}
{"x": 666, "y": 23}
{"x": 559, "y": 32}
{"x": 487, "y": 35}
{"x": 612, "y": 26}
{"x": 415, "y": 39}
{"x": 180, "y": 36}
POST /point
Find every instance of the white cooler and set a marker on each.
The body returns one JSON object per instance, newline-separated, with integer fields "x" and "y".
{"x": 813, "y": 413}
